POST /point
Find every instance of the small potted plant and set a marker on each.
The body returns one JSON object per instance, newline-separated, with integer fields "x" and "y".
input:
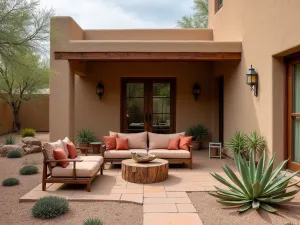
{"x": 83, "y": 138}
{"x": 255, "y": 142}
{"x": 199, "y": 133}
{"x": 237, "y": 144}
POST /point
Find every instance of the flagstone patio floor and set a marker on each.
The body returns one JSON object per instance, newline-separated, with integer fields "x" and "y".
{"x": 163, "y": 203}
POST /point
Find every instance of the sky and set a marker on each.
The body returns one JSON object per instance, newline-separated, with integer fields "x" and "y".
{"x": 114, "y": 14}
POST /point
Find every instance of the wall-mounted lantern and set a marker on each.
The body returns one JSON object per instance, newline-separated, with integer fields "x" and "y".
{"x": 100, "y": 90}
{"x": 196, "y": 91}
{"x": 252, "y": 80}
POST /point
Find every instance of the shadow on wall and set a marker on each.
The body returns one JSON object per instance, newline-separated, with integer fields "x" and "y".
{"x": 33, "y": 114}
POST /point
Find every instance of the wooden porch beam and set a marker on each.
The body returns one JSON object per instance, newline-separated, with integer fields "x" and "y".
{"x": 78, "y": 67}
{"x": 143, "y": 56}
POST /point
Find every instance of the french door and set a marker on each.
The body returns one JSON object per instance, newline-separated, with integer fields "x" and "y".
{"x": 294, "y": 115}
{"x": 148, "y": 104}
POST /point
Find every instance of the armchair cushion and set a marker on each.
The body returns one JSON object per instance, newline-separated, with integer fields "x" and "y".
{"x": 135, "y": 141}
{"x": 122, "y": 144}
{"x": 65, "y": 142}
{"x": 110, "y": 141}
{"x": 50, "y": 147}
{"x": 83, "y": 169}
{"x": 185, "y": 142}
{"x": 92, "y": 158}
{"x": 72, "y": 150}
{"x": 174, "y": 154}
{"x": 174, "y": 144}
{"x": 123, "y": 154}
{"x": 161, "y": 141}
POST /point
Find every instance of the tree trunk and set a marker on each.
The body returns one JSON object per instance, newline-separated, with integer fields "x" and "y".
{"x": 16, "y": 124}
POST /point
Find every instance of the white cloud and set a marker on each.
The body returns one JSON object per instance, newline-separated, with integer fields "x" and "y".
{"x": 97, "y": 14}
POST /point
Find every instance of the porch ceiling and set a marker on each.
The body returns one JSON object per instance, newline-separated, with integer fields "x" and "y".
{"x": 149, "y": 50}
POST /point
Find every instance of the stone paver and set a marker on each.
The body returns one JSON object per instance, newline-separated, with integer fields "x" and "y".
{"x": 186, "y": 208}
{"x": 137, "y": 198}
{"x": 171, "y": 219}
{"x": 181, "y": 194}
{"x": 154, "y": 208}
{"x": 155, "y": 194}
{"x": 166, "y": 200}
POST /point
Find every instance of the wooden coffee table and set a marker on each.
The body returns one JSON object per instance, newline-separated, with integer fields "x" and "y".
{"x": 145, "y": 173}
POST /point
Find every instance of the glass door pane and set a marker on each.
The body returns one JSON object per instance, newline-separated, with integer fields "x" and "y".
{"x": 161, "y": 108}
{"x": 295, "y": 115}
{"x": 135, "y": 107}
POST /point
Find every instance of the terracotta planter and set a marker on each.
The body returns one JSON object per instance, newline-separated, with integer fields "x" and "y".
{"x": 196, "y": 145}
{"x": 83, "y": 145}
{"x": 214, "y": 151}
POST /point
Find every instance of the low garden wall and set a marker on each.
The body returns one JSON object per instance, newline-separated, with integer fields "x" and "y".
{"x": 33, "y": 114}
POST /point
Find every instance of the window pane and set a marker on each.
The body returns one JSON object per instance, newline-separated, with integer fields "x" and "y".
{"x": 296, "y": 139}
{"x": 134, "y": 123}
{"x": 161, "y": 123}
{"x": 161, "y": 105}
{"x": 161, "y": 89}
{"x": 135, "y": 105}
{"x": 135, "y": 90}
{"x": 296, "y": 89}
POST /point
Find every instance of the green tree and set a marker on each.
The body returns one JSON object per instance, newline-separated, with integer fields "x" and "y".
{"x": 198, "y": 19}
{"x": 21, "y": 82}
{"x": 24, "y": 27}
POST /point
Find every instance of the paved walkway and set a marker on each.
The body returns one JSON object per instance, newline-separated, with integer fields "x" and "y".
{"x": 163, "y": 203}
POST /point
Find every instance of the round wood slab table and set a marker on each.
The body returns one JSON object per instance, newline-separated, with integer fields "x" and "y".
{"x": 145, "y": 173}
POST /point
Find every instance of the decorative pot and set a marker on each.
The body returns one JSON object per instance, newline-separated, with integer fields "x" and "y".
{"x": 83, "y": 145}
{"x": 196, "y": 145}
{"x": 214, "y": 151}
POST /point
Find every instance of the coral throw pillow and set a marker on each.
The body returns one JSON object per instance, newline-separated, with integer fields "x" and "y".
{"x": 110, "y": 142}
{"x": 72, "y": 150}
{"x": 60, "y": 154}
{"x": 174, "y": 144}
{"x": 122, "y": 144}
{"x": 185, "y": 142}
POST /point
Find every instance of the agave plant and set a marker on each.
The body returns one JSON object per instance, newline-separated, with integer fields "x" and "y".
{"x": 258, "y": 188}
{"x": 256, "y": 142}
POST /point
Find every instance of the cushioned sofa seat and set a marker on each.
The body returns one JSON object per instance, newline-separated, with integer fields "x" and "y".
{"x": 92, "y": 158}
{"x": 83, "y": 169}
{"x": 123, "y": 154}
{"x": 170, "y": 154}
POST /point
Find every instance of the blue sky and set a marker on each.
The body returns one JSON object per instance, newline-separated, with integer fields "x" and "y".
{"x": 97, "y": 14}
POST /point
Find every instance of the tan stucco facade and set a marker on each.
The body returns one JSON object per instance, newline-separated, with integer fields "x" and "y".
{"x": 264, "y": 32}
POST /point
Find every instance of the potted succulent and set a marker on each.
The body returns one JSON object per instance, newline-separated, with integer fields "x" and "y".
{"x": 199, "y": 133}
{"x": 83, "y": 138}
{"x": 237, "y": 144}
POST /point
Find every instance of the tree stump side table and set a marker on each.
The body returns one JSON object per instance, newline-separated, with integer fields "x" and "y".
{"x": 145, "y": 173}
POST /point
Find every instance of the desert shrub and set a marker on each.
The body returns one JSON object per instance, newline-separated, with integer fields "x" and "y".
{"x": 50, "y": 207}
{"x": 93, "y": 222}
{"x": 28, "y": 132}
{"x": 10, "y": 140}
{"x": 85, "y": 136}
{"x": 29, "y": 170}
{"x": 14, "y": 154}
{"x": 10, "y": 182}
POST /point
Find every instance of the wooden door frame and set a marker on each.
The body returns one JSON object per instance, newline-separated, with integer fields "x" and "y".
{"x": 221, "y": 108}
{"x": 290, "y": 64}
{"x": 148, "y": 108}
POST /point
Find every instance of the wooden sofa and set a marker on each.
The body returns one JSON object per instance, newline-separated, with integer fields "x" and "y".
{"x": 146, "y": 142}
{"x": 81, "y": 170}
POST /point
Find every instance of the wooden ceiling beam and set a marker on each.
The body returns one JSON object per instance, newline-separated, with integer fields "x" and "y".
{"x": 145, "y": 56}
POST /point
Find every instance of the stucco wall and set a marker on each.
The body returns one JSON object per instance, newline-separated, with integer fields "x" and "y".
{"x": 103, "y": 116}
{"x": 265, "y": 28}
{"x": 33, "y": 114}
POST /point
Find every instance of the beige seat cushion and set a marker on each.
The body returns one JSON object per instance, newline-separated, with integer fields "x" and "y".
{"x": 135, "y": 141}
{"x": 170, "y": 154}
{"x": 50, "y": 147}
{"x": 161, "y": 141}
{"x": 123, "y": 154}
{"x": 66, "y": 141}
{"x": 83, "y": 169}
{"x": 92, "y": 158}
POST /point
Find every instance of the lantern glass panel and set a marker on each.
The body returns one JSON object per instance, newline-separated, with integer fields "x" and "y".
{"x": 253, "y": 79}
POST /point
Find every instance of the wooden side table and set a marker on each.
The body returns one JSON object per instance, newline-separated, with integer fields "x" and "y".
{"x": 145, "y": 173}
{"x": 96, "y": 146}
{"x": 216, "y": 145}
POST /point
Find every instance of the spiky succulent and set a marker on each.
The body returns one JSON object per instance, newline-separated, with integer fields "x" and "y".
{"x": 257, "y": 188}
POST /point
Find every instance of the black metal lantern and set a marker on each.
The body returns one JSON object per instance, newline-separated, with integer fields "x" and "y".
{"x": 252, "y": 80}
{"x": 196, "y": 91}
{"x": 100, "y": 90}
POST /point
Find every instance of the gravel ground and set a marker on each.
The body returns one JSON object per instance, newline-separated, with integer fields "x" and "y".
{"x": 13, "y": 212}
{"x": 212, "y": 213}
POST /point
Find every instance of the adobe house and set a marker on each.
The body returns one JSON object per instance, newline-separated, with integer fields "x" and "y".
{"x": 152, "y": 77}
